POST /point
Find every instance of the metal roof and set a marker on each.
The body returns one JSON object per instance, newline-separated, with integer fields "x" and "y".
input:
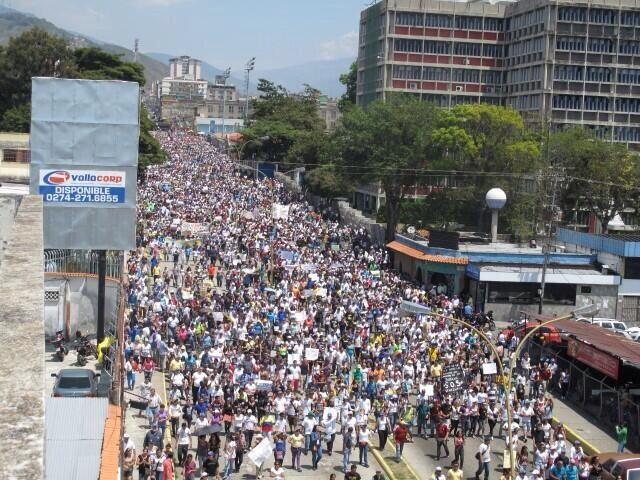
{"x": 73, "y": 437}
{"x": 616, "y": 345}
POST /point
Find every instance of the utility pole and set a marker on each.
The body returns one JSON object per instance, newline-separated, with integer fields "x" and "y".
{"x": 225, "y": 76}
{"x": 546, "y": 247}
{"x": 136, "y": 49}
{"x": 102, "y": 274}
{"x": 248, "y": 68}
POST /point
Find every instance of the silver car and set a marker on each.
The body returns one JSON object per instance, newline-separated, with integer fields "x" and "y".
{"x": 76, "y": 382}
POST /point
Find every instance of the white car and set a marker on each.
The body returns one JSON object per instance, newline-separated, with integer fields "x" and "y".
{"x": 634, "y": 333}
{"x": 612, "y": 325}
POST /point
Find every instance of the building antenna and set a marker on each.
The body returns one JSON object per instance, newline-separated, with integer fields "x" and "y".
{"x": 136, "y": 49}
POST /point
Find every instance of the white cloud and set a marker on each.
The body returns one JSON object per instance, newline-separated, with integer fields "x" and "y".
{"x": 345, "y": 45}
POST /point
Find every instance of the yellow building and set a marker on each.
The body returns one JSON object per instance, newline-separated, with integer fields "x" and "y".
{"x": 15, "y": 156}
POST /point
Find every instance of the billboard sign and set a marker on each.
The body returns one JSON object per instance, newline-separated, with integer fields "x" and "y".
{"x": 84, "y": 161}
{"x": 594, "y": 358}
{"x": 82, "y": 186}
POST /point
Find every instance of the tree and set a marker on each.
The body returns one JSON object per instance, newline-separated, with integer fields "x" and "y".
{"x": 33, "y": 53}
{"x": 96, "y": 64}
{"x": 350, "y": 81}
{"x": 602, "y": 177}
{"x": 389, "y": 142}
{"x": 285, "y": 128}
{"x": 149, "y": 150}
{"x": 487, "y": 138}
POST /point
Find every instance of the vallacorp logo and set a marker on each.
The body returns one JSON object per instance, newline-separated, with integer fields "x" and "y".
{"x": 59, "y": 177}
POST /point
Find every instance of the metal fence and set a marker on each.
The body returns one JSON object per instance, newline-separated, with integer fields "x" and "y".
{"x": 595, "y": 394}
{"x": 82, "y": 261}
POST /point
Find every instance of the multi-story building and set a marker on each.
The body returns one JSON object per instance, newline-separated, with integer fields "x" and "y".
{"x": 566, "y": 62}
{"x": 183, "y": 90}
{"x": 329, "y": 112}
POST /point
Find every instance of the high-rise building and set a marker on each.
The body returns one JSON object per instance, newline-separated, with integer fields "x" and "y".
{"x": 565, "y": 62}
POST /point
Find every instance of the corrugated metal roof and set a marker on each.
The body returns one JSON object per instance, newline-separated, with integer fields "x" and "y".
{"x": 73, "y": 431}
{"x": 418, "y": 255}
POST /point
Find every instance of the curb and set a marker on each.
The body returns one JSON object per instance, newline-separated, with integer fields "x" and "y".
{"x": 588, "y": 448}
{"x": 383, "y": 464}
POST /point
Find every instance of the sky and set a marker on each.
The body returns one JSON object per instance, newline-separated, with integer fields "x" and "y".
{"x": 278, "y": 33}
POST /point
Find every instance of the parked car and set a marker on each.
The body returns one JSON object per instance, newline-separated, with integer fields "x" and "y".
{"x": 634, "y": 333}
{"x": 75, "y": 382}
{"x": 625, "y": 465}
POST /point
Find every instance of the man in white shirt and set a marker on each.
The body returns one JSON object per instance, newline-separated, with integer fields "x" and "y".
{"x": 330, "y": 432}
{"x": 484, "y": 460}
{"x": 307, "y": 425}
{"x": 249, "y": 427}
{"x": 184, "y": 442}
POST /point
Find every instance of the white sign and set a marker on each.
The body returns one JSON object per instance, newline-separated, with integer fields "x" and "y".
{"x": 293, "y": 357}
{"x": 264, "y": 385}
{"x": 82, "y": 186}
{"x": 428, "y": 390}
{"x": 489, "y": 368}
{"x": 280, "y": 211}
{"x": 261, "y": 452}
{"x": 311, "y": 354}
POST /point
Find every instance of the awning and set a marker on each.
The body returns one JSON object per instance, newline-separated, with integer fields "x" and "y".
{"x": 426, "y": 257}
{"x": 411, "y": 307}
{"x": 405, "y": 250}
{"x": 574, "y": 276}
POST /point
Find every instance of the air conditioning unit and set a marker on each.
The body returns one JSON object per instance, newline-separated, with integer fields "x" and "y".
{"x": 459, "y": 88}
{"x": 413, "y": 85}
{"x": 467, "y": 61}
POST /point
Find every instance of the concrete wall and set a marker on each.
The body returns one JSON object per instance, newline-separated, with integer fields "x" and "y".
{"x": 22, "y": 352}
{"x": 604, "y": 296}
{"x": 8, "y": 208}
{"x": 77, "y": 305}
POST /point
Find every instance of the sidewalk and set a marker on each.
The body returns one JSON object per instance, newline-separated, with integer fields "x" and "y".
{"x": 581, "y": 427}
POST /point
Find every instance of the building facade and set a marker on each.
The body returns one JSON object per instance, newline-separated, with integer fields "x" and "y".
{"x": 565, "y": 62}
{"x": 329, "y": 112}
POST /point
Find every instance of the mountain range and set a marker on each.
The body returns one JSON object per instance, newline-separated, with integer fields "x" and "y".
{"x": 323, "y": 75}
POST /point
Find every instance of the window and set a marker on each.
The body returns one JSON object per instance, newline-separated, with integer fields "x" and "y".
{"x": 16, "y": 156}
{"x": 441, "y": 21}
{"x": 407, "y": 72}
{"x": 467, "y": 49}
{"x": 435, "y": 73}
{"x": 409, "y": 19}
{"x": 408, "y": 45}
{"x": 527, "y": 293}
{"x": 441, "y": 48}
{"x": 468, "y": 23}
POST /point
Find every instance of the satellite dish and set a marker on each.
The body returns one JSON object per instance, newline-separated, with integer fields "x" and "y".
{"x": 411, "y": 230}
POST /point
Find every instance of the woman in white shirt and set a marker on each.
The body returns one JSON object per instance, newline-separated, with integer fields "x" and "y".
{"x": 363, "y": 444}
{"x": 277, "y": 472}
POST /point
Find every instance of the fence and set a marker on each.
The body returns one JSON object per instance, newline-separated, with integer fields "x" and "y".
{"x": 595, "y": 394}
{"x": 82, "y": 261}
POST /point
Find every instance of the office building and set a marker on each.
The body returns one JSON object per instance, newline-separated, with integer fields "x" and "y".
{"x": 565, "y": 62}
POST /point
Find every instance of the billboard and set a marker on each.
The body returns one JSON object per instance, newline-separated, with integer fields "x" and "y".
{"x": 594, "y": 358}
{"x": 84, "y": 161}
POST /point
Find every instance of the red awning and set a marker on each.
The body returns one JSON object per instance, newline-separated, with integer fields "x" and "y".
{"x": 418, "y": 255}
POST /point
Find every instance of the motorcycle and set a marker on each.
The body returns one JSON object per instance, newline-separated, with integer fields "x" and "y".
{"x": 81, "y": 360}
{"x": 61, "y": 349}
{"x": 84, "y": 346}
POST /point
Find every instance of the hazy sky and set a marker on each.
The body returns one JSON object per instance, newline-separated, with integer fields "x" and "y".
{"x": 225, "y": 33}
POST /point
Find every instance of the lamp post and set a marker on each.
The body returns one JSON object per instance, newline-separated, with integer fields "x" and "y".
{"x": 500, "y": 368}
{"x": 225, "y": 75}
{"x": 248, "y": 68}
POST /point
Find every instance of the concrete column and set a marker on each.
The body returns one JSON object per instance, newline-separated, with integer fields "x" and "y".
{"x": 494, "y": 226}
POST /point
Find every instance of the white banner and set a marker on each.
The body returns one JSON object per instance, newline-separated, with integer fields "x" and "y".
{"x": 280, "y": 211}
{"x": 311, "y": 354}
{"x": 261, "y": 452}
{"x": 489, "y": 368}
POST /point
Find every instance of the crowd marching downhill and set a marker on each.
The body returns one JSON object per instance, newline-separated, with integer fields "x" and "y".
{"x": 273, "y": 322}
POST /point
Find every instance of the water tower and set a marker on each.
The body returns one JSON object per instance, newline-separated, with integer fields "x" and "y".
{"x": 496, "y": 199}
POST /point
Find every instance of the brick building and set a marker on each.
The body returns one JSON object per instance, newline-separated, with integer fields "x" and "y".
{"x": 567, "y": 62}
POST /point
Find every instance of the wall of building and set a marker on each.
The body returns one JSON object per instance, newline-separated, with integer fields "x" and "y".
{"x": 605, "y": 297}
{"x": 77, "y": 305}
{"x": 22, "y": 355}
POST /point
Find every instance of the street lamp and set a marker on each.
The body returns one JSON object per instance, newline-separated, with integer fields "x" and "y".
{"x": 225, "y": 76}
{"x": 248, "y": 68}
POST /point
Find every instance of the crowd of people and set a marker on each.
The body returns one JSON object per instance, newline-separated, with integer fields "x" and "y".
{"x": 273, "y": 323}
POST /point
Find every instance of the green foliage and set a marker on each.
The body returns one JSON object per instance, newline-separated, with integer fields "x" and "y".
{"x": 611, "y": 170}
{"x": 327, "y": 181}
{"x": 149, "y": 150}
{"x": 97, "y": 64}
{"x": 350, "y": 81}
{"x": 389, "y": 142}
{"x": 36, "y": 53}
{"x": 285, "y": 128}
{"x": 16, "y": 119}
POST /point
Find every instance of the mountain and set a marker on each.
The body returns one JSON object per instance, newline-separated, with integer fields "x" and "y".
{"x": 209, "y": 72}
{"x": 323, "y": 75}
{"x": 14, "y": 22}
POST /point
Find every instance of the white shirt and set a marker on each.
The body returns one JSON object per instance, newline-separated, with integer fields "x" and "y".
{"x": 184, "y": 436}
{"x": 485, "y": 452}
